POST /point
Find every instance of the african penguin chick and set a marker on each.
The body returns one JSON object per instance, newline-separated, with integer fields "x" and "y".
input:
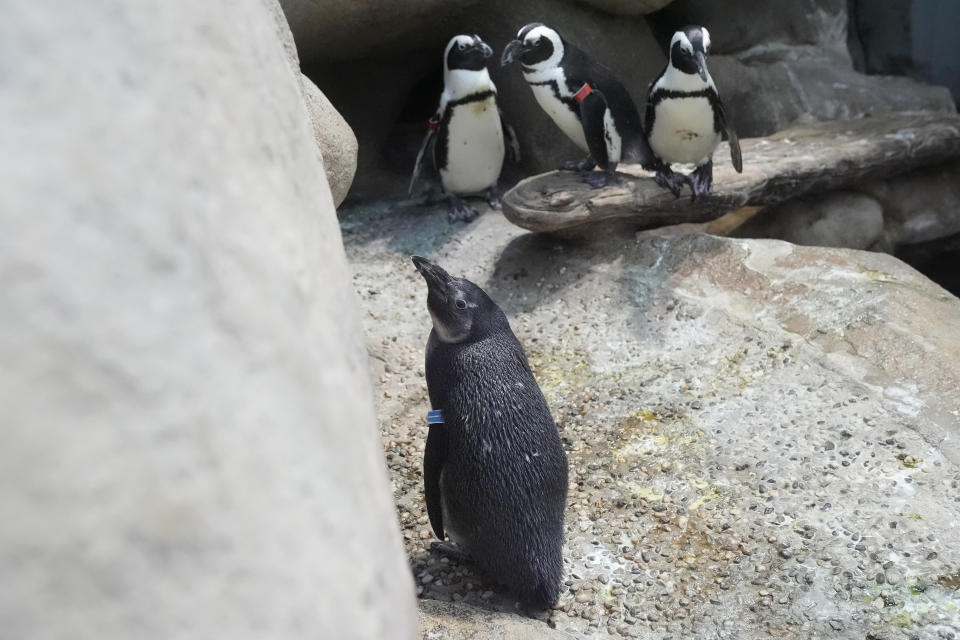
{"x": 583, "y": 98}
{"x": 685, "y": 118}
{"x": 495, "y": 472}
{"x": 466, "y": 134}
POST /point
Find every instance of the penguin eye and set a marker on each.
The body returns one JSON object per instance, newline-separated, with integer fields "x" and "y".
{"x": 461, "y": 304}
{"x": 461, "y": 46}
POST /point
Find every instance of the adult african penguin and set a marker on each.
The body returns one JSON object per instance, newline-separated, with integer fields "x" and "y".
{"x": 685, "y": 118}
{"x": 494, "y": 470}
{"x": 583, "y": 98}
{"x": 465, "y": 136}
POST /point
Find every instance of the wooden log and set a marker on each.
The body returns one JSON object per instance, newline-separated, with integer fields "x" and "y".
{"x": 813, "y": 158}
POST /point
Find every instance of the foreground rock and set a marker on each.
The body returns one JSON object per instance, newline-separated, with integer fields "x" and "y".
{"x": 188, "y": 433}
{"x": 761, "y": 436}
{"x": 445, "y": 621}
{"x": 810, "y": 159}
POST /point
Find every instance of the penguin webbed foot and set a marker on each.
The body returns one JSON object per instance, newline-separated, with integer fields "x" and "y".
{"x": 460, "y": 211}
{"x": 494, "y": 198}
{"x": 701, "y": 181}
{"x": 671, "y": 180}
{"x": 587, "y": 164}
{"x": 450, "y": 549}
{"x": 599, "y": 179}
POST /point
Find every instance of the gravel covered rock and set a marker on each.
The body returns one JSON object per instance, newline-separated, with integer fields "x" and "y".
{"x": 760, "y": 435}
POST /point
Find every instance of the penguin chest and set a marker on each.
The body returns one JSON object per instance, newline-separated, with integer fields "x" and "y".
{"x": 683, "y": 130}
{"x": 474, "y": 148}
{"x": 560, "y": 113}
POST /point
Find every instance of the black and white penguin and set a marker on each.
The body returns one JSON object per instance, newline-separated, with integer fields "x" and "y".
{"x": 583, "y": 98}
{"x": 466, "y": 134}
{"x": 494, "y": 470}
{"x": 685, "y": 118}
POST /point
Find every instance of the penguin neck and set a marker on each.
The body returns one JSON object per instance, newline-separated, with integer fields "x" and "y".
{"x": 460, "y": 83}
{"x": 675, "y": 80}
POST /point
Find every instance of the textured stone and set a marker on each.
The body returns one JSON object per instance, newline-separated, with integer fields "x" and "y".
{"x": 835, "y": 219}
{"x": 190, "y": 447}
{"x": 723, "y": 402}
{"x": 452, "y": 621}
{"x": 335, "y": 138}
{"x": 807, "y": 160}
{"x": 770, "y": 90}
{"x": 739, "y": 25}
{"x": 628, "y": 7}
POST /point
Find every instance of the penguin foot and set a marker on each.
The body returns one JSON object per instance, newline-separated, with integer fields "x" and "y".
{"x": 701, "y": 181}
{"x": 598, "y": 179}
{"x": 494, "y": 198}
{"x": 450, "y": 549}
{"x": 587, "y": 164}
{"x": 668, "y": 179}
{"x": 460, "y": 211}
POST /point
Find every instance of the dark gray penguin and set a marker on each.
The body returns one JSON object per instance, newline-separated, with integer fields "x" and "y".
{"x": 685, "y": 118}
{"x": 495, "y": 472}
{"x": 467, "y": 136}
{"x": 584, "y": 99}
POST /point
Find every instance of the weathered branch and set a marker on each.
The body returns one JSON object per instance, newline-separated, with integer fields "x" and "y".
{"x": 810, "y": 159}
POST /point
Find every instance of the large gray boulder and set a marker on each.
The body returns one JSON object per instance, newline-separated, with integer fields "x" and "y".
{"x": 189, "y": 442}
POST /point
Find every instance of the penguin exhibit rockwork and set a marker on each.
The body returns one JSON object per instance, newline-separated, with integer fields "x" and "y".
{"x": 685, "y": 118}
{"x": 494, "y": 468}
{"x": 584, "y": 99}
{"x": 465, "y": 137}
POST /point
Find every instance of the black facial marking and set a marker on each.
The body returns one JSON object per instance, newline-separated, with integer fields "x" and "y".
{"x": 536, "y": 51}
{"x": 682, "y": 60}
{"x": 468, "y": 56}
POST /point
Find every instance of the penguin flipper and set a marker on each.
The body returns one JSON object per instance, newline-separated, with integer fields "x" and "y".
{"x": 434, "y": 457}
{"x": 593, "y": 107}
{"x": 732, "y": 138}
{"x": 428, "y": 141}
{"x": 513, "y": 144}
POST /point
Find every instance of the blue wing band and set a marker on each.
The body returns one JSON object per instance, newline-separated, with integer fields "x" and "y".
{"x": 435, "y": 416}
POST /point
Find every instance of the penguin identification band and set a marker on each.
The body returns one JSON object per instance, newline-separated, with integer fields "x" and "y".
{"x": 435, "y": 416}
{"x": 582, "y": 94}
{"x": 432, "y": 124}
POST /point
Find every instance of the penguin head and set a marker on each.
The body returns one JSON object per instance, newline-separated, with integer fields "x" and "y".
{"x": 466, "y": 53}
{"x": 461, "y": 311}
{"x": 689, "y": 50}
{"x": 537, "y": 47}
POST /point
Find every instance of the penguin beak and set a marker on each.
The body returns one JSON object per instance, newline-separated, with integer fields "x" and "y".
{"x": 436, "y": 277}
{"x": 511, "y": 52}
{"x": 701, "y": 65}
{"x": 485, "y": 50}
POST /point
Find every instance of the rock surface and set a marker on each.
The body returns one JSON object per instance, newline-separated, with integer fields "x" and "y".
{"x": 771, "y": 90}
{"x": 335, "y": 139}
{"x": 446, "y": 621}
{"x": 628, "y": 7}
{"x": 761, "y": 436}
{"x": 189, "y": 444}
{"x": 836, "y": 219}
{"x": 811, "y": 159}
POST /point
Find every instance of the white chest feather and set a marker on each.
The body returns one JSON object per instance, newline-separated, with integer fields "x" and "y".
{"x": 683, "y": 130}
{"x": 543, "y": 84}
{"x": 474, "y": 147}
